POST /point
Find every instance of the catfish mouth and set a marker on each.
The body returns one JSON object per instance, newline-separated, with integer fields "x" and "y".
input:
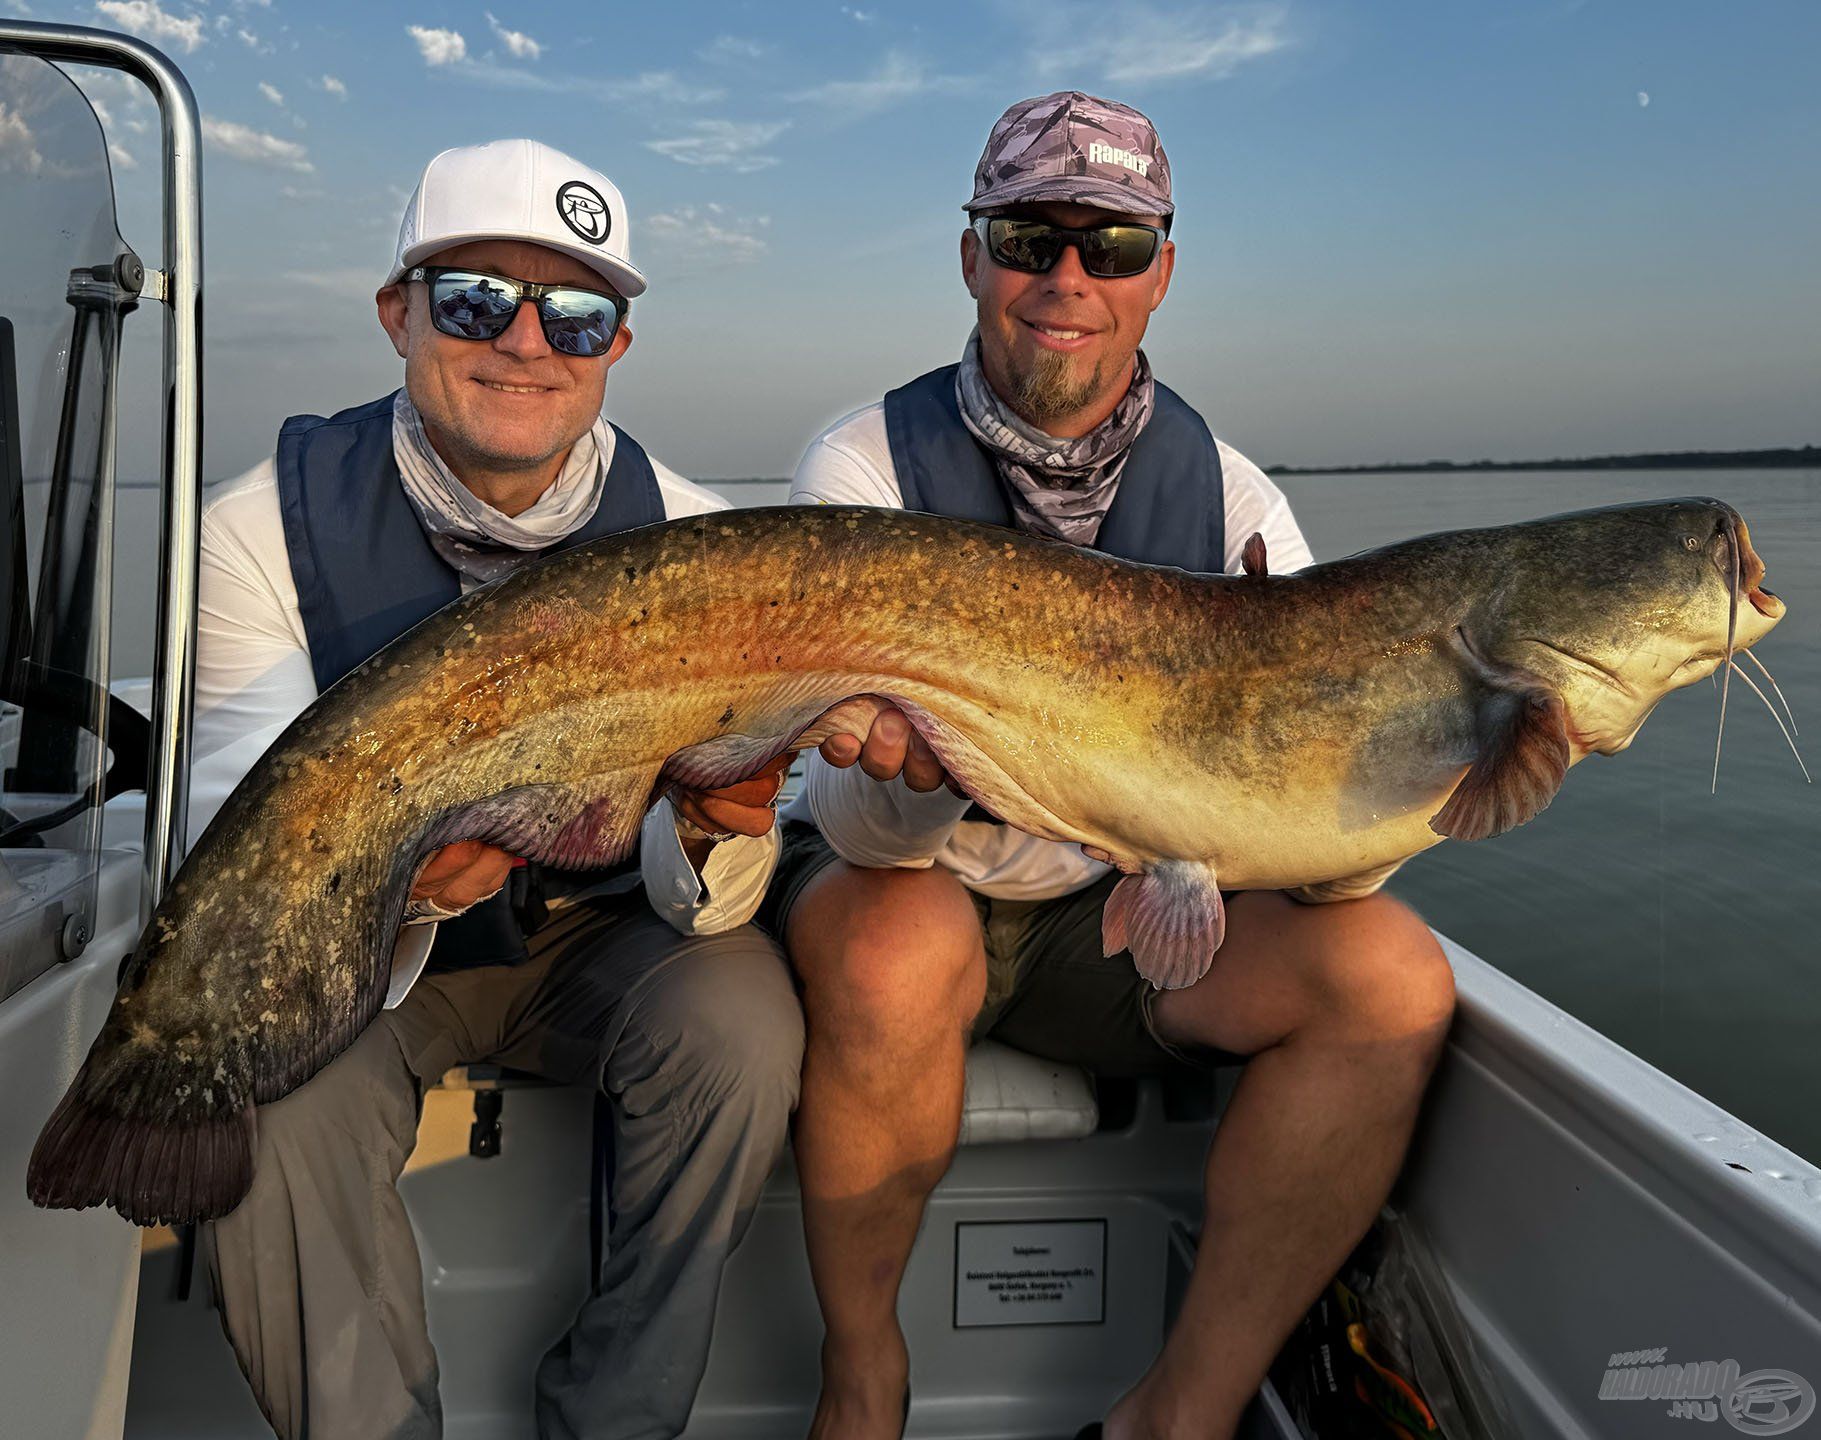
{"x": 1732, "y": 544}
{"x": 1742, "y": 571}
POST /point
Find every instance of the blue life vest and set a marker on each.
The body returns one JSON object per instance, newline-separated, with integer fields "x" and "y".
{"x": 1170, "y": 508}
{"x": 366, "y": 573}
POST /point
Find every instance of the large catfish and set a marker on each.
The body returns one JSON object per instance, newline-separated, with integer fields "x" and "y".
{"x": 1206, "y": 731}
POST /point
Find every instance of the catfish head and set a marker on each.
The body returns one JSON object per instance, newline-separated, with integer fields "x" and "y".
{"x": 1590, "y": 619}
{"x": 1612, "y": 609}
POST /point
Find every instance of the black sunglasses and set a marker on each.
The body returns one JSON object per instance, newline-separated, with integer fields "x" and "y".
{"x": 1110, "y": 252}
{"x": 474, "y": 305}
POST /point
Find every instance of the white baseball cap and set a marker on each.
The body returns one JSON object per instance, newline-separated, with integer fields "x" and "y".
{"x": 519, "y": 190}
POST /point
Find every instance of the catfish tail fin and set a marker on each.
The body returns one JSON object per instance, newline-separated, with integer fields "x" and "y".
{"x": 154, "y": 1172}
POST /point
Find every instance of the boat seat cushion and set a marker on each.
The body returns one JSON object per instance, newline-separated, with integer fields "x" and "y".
{"x": 1015, "y": 1096}
{"x": 1010, "y": 1095}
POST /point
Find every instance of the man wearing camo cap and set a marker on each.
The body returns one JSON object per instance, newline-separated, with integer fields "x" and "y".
{"x": 915, "y": 922}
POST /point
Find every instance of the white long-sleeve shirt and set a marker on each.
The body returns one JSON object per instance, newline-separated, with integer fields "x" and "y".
{"x": 253, "y": 677}
{"x": 890, "y": 825}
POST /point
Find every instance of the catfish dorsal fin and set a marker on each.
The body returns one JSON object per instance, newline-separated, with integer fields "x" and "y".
{"x": 1523, "y": 756}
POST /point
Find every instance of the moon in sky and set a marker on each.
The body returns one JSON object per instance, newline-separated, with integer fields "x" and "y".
{"x": 1643, "y": 97}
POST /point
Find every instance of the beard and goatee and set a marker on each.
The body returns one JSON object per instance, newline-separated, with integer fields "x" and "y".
{"x": 1052, "y": 387}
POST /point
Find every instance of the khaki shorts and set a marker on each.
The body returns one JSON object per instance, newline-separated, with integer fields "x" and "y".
{"x": 1049, "y": 990}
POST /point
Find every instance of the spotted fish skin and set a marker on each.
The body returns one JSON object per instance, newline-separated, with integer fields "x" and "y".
{"x": 1273, "y": 731}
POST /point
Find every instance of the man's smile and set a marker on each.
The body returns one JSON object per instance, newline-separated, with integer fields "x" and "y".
{"x": 1057, "y": 337}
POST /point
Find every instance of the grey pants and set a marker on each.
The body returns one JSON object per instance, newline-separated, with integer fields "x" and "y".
{"x": 698, "y": 1042}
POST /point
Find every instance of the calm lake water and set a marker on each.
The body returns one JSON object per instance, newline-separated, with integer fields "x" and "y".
{"x": 1681, "y": 923}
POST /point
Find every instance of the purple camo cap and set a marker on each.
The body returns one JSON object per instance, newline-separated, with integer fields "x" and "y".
{"x": 1075, "y": 148}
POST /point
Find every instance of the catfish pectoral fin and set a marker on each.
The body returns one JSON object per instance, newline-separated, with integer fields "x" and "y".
{"x": 1524, "y": 755}
{"x": 1253, "y": 558}
{"x": 170, "y": 1172}
{"x": 1171, "y": 918}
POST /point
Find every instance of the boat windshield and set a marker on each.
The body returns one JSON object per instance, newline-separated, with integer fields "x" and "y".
{"x": 61, "y": 306}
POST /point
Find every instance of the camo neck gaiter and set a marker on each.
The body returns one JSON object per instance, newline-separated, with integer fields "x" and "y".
{"x": 1059, "y": 488}
{"x": 477, "y": 541}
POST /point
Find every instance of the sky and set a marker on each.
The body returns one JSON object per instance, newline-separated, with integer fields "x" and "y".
{"x": 1404, "y": 231}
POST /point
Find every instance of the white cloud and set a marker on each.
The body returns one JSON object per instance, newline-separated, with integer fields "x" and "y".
{"x": 271, "y": 92}
{"x": 729, "y": 48}
{"x": 121, "y": 104}
{"x": 300, "y": 192}
{"x": 439, "y": 47}
{"x": 737, "y": 145}
{"x": 18, "y": 147}
{"x": 253, "y": 42}
{"x": 701, "y": 238}
{"x": 121, "y": 156}
{"x": 1157, "y": 45}
{"x": 331, "y": 86}
{"x": 898, "y": 78}
{"x": 863, "y": 16}
{"x": 151, "y": 20}
{"x": 521, "y": 45}
{"x": 255, "y": 146}
{"x": 662, "y": 86}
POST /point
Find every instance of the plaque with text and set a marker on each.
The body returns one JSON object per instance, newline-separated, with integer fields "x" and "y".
{"x": 1030, "y": 1272}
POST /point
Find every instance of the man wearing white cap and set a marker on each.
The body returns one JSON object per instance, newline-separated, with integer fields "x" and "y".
{"x": 507, "y": 302}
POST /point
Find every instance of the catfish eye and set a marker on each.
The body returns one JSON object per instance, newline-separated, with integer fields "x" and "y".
{"x": 1691, "y": 542}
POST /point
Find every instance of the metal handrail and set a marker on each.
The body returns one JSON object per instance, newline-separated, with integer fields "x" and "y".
{"x": 174, "y": 656}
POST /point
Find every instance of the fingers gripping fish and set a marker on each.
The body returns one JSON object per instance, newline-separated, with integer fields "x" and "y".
{"x": 1253, "y": 731}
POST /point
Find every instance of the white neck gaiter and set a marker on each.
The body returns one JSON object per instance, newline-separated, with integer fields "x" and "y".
{"x": 469, "y": 534}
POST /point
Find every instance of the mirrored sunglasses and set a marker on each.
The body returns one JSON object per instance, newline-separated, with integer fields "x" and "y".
{"x": 1034, "y": 246}
{"x": 474, "y": 305}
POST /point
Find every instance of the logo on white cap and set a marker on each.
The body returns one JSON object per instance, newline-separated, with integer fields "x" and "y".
{"x": 584, "y": 211}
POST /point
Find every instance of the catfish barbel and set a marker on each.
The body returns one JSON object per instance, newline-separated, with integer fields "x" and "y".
{"x": 1254, "y": 731}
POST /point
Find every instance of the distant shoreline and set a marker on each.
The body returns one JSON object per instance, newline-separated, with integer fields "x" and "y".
{"x": 1800, "y": 457}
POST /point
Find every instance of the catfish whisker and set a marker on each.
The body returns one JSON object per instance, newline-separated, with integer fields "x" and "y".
{"x": 1732, "y": 634}
{"x": 1780, "y": 725}
{"x": 1765, "y": 672}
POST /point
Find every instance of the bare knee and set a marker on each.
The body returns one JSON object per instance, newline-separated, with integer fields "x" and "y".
{"x": 1375, "y": 972}
{"x": 887, "y": 957}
